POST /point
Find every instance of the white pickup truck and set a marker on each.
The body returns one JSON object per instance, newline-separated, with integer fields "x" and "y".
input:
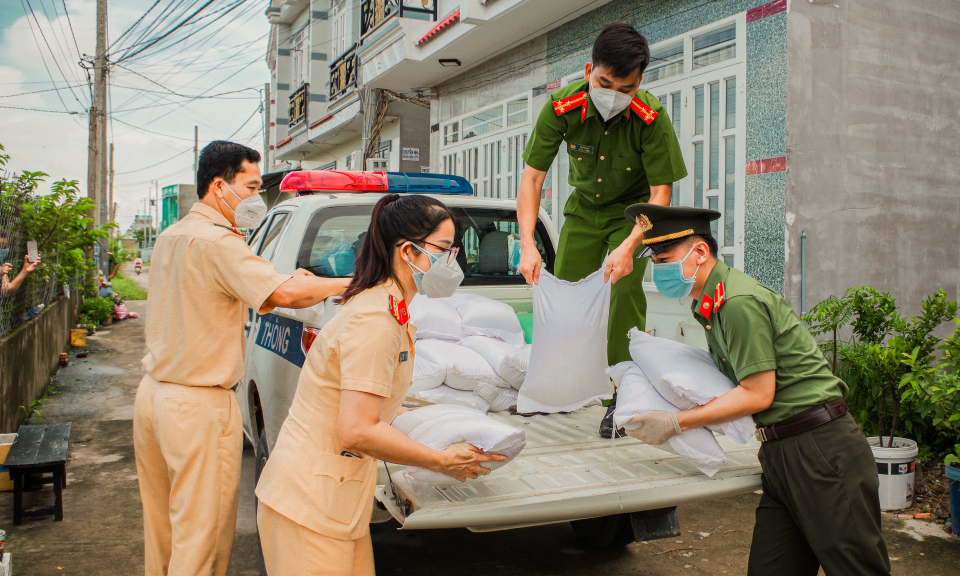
{"x": 612, "y": 491}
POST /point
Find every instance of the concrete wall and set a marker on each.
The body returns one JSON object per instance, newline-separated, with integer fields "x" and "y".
{"x": 414, "y": 133}
{"x": 873, "y": 147}
{"x": 30, "y": 356}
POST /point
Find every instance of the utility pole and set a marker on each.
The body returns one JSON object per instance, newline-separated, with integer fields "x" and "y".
{"x": 196, "y": 153}
{"x": 96, "y": 156}
{"x": 111, "y": 212}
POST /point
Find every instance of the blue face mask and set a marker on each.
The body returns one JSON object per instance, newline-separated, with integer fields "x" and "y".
{"x": 669, "y": 279}
{"x": 3, "y": 254}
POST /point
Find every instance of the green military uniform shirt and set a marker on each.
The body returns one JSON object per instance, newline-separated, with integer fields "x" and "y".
{"x": 617, "y": 162}
{"x": 751, "y": 329}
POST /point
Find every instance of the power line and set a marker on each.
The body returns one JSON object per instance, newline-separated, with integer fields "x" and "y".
{"x": 177, "y": 155}
{"x": 40, "y": 110}
{"x": 38, "y": 91}
{"x": 57, "y": 64}
{"x": 44, "y": 60}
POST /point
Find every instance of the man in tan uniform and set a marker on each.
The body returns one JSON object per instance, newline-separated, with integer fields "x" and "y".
{"x": 187, "y": 431}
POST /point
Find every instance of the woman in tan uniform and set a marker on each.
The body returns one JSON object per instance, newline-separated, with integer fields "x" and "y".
{"x": 316, "y": 491}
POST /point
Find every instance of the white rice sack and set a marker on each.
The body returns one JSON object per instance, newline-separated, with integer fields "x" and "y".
{"x": 693, "y": 393}
{"x": 687, "y": 377}
{"x": 507, "y": 360}
{"x": 498, "y": 398}
{"x": 636, "y": 395}
{"x": 426, "y": 375}
{"x": 440, "y": 426}
{"x": 569, "y": 357}
{"x": 482, "y": 316}
{"x": 435, "y": 318}
{"x": 451, "y": 396}
{"x": 519, "y": 363}
{"x": 465, "y": 368}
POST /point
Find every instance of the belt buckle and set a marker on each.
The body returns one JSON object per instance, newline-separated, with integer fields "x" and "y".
{"x": 761, "y": 435}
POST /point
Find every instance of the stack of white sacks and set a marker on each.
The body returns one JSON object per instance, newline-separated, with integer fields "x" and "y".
{"x": 668, "y": 375}
{"x": 470, "y": 350}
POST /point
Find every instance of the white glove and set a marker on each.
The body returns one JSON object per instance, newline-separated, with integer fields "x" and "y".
{"x": 655, "y": 427}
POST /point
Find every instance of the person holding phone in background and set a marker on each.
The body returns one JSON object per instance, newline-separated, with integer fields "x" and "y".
{"x": 7, "y": 286}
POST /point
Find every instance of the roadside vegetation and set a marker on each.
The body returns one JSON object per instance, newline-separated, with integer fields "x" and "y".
{"x": 128, "y": 288}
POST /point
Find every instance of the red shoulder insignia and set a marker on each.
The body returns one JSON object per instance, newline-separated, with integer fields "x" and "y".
{"x": 578, "y": 100}
{"x": 645, "y": 112}
{"x": 399, "y": 310}
{"x": 706, "y": 306}
{"x": 719, "y": 296}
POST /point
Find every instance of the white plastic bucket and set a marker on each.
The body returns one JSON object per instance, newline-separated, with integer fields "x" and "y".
{"x": 895, "y": 467}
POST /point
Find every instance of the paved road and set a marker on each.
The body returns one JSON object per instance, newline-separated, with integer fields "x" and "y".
{"x": 102, "y": 533}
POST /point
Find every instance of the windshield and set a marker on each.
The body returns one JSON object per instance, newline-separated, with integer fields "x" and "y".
{"x": 489, "y": 243}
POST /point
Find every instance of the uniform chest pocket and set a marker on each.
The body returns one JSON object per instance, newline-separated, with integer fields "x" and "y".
{"x": 582, "y": 164}
{"x": 626, "y": 164}
{"x": 340, "y": 483}
{"x": 624, "y": 172}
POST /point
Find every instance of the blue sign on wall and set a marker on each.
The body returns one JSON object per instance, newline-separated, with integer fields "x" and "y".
{"x": 282, "y": 337}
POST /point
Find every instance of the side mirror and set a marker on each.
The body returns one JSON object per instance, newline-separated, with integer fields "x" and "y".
{"x": 312, "y": 316}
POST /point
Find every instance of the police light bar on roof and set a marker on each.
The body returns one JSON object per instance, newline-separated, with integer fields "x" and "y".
{"x": 312, "y": 181}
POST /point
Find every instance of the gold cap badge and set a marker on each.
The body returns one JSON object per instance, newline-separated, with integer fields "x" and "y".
{"x": 644, "y": 223}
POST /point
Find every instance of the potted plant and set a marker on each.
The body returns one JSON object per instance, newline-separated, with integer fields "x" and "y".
{"x": 952, "y": 469}
{"x": 884, "y": 354}
{"x": 98, "y": 310}
{"x": 87, "y": 324}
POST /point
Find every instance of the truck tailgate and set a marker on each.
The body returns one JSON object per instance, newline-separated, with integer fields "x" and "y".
{"x": 566, "y": 472}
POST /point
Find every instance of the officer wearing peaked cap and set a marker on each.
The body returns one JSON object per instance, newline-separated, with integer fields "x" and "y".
{"x": 820, "y": 505}
{"x": 621, "y": 149}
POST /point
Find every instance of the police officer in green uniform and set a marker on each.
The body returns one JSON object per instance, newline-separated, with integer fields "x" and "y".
{"x": 622, "y": 150}
{"x": 820, "y": 505}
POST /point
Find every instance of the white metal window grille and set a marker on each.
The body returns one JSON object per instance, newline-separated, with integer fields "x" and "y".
{"x": 486, "y": 147}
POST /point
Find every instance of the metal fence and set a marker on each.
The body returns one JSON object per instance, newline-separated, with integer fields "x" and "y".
{"x": 18, "y": 306}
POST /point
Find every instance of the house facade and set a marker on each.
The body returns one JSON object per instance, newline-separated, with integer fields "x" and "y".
{"x": 824, "y": 132}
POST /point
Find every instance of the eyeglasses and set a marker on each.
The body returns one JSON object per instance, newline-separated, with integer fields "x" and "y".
{"x": 451, "y": 252}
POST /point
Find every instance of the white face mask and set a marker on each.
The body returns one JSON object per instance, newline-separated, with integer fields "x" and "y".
{"x": 249, "y": 212}
{"x": 608, "y": 102}
{"x": 441, "y": 280}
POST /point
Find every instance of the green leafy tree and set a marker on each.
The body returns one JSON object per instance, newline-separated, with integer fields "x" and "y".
{"x": 58, "y": 221}
{"x": 141, "y": 235}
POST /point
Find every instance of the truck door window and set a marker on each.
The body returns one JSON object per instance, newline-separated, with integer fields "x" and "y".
{"x": 333, "y": 240}
{"x": 489, "y": 243}
{"x": 272, "y": 237}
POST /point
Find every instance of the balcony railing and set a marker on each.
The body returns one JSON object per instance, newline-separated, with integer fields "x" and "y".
{"x": 373, "y": 13}
{"x": 343, "y": 73}
{"x": 298, "y": 105}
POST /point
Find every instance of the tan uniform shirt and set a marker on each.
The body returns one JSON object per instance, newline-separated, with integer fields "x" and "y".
{"x": 362, "y": 348}
{"x": 202, "y": 278}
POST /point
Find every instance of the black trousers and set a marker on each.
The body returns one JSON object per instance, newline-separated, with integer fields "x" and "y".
{"x": 820, "y": 506}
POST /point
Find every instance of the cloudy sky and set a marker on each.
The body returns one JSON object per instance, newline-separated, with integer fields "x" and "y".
{"x": 208, "y": 74}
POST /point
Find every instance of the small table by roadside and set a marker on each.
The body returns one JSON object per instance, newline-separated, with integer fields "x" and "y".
{"x": 37, "y": 450}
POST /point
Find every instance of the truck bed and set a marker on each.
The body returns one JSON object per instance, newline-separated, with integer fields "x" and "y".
{"x": 567, "y": 472}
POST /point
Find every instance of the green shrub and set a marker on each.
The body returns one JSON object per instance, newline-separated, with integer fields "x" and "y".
{"x": 97, "y": 309}
{"x": 889, "y": 365}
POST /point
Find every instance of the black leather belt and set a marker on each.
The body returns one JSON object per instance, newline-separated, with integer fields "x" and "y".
{"x": 803, "y": 422}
